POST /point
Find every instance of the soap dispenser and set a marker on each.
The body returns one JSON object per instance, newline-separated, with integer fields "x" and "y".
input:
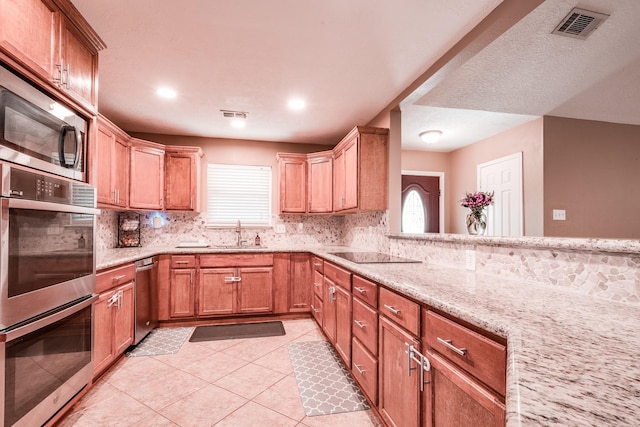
{"x": 81, "y": 242}
{"x": 257, "y": 239}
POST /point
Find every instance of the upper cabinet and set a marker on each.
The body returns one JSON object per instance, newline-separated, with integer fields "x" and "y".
{"x": 50, "y": 41}
{"x": 182, "y": 178}
{"x": 293, "y": 182}
{"x": 147, "y": 175}
{"x": 360, "y": 171}
{"x": 320, "y": 182}
{"x": 350, "y": 178}
{"x": 110, "y": 162}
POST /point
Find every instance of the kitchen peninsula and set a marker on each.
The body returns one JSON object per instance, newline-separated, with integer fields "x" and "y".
{"x": 570, "y": 357}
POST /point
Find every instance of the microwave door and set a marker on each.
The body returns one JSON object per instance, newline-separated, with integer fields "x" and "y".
{"x": 28, "y": 129}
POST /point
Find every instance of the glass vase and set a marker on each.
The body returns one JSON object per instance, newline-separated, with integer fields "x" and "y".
{"x": 477, "y": 224}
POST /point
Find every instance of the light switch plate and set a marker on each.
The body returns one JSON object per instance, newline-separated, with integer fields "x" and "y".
{"x": 470, "y": 259}
{"x": 280, "y": 228}
{"x": 559, "y": 215}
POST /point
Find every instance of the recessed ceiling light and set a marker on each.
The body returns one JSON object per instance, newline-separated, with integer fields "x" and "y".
{"x": 430, "y": 136}
{"x": 166, "y": 92}
{"x": 239, "y": 122}
{"x": 297, "y": 104}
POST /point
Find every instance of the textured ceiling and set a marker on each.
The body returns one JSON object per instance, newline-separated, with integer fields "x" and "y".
{"x": 348, "y": 59}
{"x": 528, "y": 71}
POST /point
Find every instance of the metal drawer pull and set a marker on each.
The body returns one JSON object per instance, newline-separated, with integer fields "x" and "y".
{"x": 232, "y": 279}
{"x": 392, "y": 309}
{"x": 315, "y": 264}
{"x": 359, "y": 324}
{"x": 182, "y": 262}
{"x": 361, "y": 290}
{"x": 361, "y": 371}
{"x": 116, "y": 278}
{"x": 315, "y": 310}
{"x": 447, "y": 343}
{"x": 317, "y": 285}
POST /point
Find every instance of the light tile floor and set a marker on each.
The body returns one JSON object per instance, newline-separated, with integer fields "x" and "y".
{"x": 231, "y": 383}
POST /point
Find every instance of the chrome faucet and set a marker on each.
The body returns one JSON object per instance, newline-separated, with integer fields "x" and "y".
{"x": 239, "y": 231}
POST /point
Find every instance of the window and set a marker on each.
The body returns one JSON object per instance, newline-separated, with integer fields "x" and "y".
{"x": 237, "y": 192}
{"x": 413, "y": 220}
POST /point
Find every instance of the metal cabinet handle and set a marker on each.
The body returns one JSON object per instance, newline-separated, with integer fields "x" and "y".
{"x": 447, "y": 343}
{"x": 332, "y": 293}
{"x": 361, "y": 371}
{"x": 182, "y": 262}
{"x": 361, "y": 290}
{"x": 317, "y": 285}
{"x": 392, "y": 309}
{"x": 315, "y": 310}
{"x": 359, "y": 324}
{"x": 116, "y": 278}
{"x": 232, "y": 279}
{"x": 317, "y": 264}
{"x": 112, "y": 300}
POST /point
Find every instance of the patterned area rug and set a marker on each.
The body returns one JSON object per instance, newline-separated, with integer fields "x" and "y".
{"x": 325, "y": 386}
{"x": 161, "y": 341}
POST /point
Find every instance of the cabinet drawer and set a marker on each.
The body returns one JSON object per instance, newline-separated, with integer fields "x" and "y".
{"x": 183, "y": 261}
{"x": 402, "y": 311}
{"x": 317, "y": 264}
{"x": 108, "y": 279}
{"x": 365, "y": 325}
{"x": 318, "y": 278}
{"x": 364, "y": 368}
{"x": 316, "y": 309}
{"x": 365, "y": 290}
{"x": 240, "y": 260}
{"x": 482, "y": 357}
{"x": 338, "y": 276}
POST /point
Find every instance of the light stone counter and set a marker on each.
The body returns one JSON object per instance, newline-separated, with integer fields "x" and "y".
{"x": 571, "y": 358}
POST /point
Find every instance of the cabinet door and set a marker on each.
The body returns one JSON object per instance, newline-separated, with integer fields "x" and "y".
{"x": 398, "y": 395}
{"x": 351, "y": 175}
{"x": 103, "y": 349}
{"x": 103, "y": 162}
{"x": 343, "y": 324}
{"x": 120, "y": 172}
{"x": 255, "y": 293}
{"x": 320, "y": 184}
{"x": 124, "y": 319}
{"x": 455, "y": 399}
{"x": 300, "y": 288}
{"x": 147, "y": 178}
{"x": 181, "y": 293}
{"x": 329, "y": 309}
{"x": 28, "y": 30}
{"x": 293, "y": 184}
{"x": 79, "y": 66}
{"x": 181, "y": 181}
{"x": 217, "y": 291}
{"x": 338, "y": 181}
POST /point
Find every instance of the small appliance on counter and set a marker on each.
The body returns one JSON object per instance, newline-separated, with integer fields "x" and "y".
{"x": 128, "y": 230}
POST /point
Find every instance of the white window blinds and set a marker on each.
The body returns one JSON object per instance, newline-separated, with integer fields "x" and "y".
{"x": 238, "y": 192}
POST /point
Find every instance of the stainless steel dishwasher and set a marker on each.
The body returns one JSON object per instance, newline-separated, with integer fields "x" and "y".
{"x": 145, "y": 304}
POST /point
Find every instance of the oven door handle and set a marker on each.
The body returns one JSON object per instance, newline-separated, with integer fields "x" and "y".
{"x": 45, "y": 321}
{"x": 48, "y": 206}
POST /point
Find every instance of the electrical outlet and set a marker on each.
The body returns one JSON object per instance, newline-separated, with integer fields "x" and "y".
{"x": 470, "y": 259}
{"x": 300, "y": 228}
{"x": 559, "y": 215}
{"x": 280, "y": 228}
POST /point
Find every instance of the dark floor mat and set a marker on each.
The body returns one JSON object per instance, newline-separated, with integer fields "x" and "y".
{"x": 236, "y": 331}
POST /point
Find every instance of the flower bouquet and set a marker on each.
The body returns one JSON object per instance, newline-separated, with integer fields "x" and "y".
{"x": 477, "y": 220}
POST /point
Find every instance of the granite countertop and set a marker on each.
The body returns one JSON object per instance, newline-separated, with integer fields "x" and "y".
{"x": 571, "y": 358}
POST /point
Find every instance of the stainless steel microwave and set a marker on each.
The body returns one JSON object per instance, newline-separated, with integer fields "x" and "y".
{"x": 39, "y": 132}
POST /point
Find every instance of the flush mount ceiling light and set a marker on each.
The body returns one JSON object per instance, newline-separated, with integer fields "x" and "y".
{"x": 238, "y": 118}
{"x": 166, "y": 92}
{"x": 430, "y": 136}
{"x": 296, "y": 104}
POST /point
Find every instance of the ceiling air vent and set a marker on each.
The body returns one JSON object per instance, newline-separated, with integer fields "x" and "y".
{"x": 234, "y": 114}
{"x": 579, "y": 23}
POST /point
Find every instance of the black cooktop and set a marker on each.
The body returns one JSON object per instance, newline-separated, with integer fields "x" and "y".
{"x": 370, "y": 257}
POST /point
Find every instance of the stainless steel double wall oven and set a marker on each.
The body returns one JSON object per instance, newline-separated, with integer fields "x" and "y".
{"x": 47, "y": 254}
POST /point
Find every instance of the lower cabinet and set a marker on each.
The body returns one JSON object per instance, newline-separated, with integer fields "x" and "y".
{"x": 113, "y": 315}
{"x": 235, "y": 291}
{"x": 399, "y": 379}
{"x": 182, "y": 286}
{"x": 329, "y": 309}
{"x": 343, "y": 303}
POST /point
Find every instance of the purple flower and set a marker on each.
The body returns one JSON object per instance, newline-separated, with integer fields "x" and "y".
{"x": 477, "y": 201}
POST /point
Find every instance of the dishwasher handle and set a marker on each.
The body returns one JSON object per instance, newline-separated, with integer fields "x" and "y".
{"x": 146, "y": 267}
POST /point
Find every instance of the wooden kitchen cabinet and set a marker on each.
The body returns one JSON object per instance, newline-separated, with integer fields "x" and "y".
{"x": 320, "y": 182}
{"x": 300, "y": 289}
{"x": 317, "y": 286}
{"x": 329, "y": 309}
{"x": 111, "y": 165}
{"x": 293, "y": 182}
{"x": 343, "y": 324}
{"x": 398, "y": 392}
{"x": 147, "y": 175}
{"x": 182, "y": 284}
{"x": 360, "y": 171}
{"x": 182, "y": 178}
{"x": 337, "y": 309}
{"x": 51, "y": 40}
{"x": 113, "y": 316}
{"x": 216, "y": 291}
